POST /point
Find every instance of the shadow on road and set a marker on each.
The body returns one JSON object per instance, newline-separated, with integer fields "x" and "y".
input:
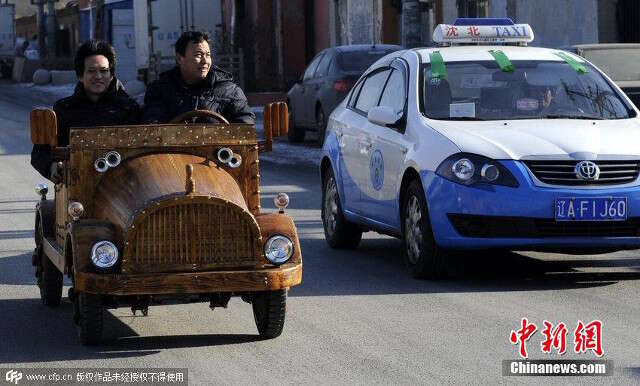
{"x": 31, "y": 332}
{"x": 377, "y": 268}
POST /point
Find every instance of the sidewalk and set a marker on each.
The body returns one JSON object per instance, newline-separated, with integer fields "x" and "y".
{"x": 31, "y": 96}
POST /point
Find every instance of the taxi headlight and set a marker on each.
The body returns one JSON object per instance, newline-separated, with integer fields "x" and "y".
{"x": 278, "y": 249}
{"x": 104, "y": 254}
{"x": 470, "y": 169}
{"x": 463, "y": 169}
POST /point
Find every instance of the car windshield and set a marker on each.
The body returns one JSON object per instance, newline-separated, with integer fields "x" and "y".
{"x": 359, "y": 61}
{"x": 533, "y": 90}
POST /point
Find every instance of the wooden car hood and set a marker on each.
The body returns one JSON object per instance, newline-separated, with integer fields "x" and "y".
{"x": 137, "y": 183}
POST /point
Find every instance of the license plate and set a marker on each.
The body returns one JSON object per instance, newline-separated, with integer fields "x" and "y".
{"x": 591, "y": 209}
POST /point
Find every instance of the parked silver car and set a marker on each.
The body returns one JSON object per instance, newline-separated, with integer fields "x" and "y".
{"x": 619, "y": 61}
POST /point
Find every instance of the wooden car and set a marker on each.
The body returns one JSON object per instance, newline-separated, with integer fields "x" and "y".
{"x": 159, "y": 213}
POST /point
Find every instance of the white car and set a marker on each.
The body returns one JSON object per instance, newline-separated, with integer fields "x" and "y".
{"x": 483, "y": 146}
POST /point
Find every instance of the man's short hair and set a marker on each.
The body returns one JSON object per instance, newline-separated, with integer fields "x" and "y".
{"x": 194, "y": 37}
{"x": 95, "y": 47}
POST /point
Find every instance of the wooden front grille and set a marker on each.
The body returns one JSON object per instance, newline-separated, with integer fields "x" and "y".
{"x": 193, "y": 236}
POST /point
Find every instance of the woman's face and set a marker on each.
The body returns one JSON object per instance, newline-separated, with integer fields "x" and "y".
{"x": 97, "y": 75}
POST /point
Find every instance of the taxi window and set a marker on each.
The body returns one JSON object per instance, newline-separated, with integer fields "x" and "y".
{"x": 308, "y": 73}
{"x": 354, "y": 94}
{"x": 371, "y": 89}
{"x": 394, "y": 94}
{"x": 534, "y": 90}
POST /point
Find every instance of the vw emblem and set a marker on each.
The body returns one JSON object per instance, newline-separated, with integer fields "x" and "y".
{"x": 587, "y": 171}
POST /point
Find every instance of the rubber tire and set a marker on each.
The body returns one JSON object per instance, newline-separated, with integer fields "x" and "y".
{"x": 321, "y": 126}
{"x": 430, "y": 263}
{"x": 347, "y": 235}
{"x": 91, "y": 318}
{"x": 269, "y": 309}
{"x": 50, "y": 278}
{"x": 295, "y": 134}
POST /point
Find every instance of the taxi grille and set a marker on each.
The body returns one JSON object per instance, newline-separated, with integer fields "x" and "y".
{"x": 562, "y": 172}
{"x": 193, "y": 237}
{"x": 524, "y": 227}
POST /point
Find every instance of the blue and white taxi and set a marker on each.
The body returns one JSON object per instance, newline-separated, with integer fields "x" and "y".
{"x": 484, "y": 144}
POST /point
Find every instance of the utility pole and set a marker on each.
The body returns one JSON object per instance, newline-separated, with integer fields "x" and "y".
{"x": 411, "y": 23}
{"x": 51, "y": 29}
{"x": 48, "y": 46}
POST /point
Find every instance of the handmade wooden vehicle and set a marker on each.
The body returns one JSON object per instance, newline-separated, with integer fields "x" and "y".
{"x": 151, "y": 214}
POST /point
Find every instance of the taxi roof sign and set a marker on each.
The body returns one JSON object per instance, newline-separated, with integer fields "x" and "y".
{"x": 487, "y": 30}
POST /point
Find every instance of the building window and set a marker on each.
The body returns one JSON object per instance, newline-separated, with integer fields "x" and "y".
{"x": 473, "y": 8}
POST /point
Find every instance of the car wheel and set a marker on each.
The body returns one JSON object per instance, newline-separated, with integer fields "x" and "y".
{"x": 48, "y": 275}
{"x": 295, "y": 134}
{"x": 90, "y": 318}
{"x": 338, "y": 232}
{"x": 269, "y": 309}
{"x": 321, "y": 125}
{"x": 423, "y": 257}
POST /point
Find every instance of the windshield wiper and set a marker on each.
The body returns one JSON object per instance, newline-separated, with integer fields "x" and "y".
{"x": 570, "y": 116}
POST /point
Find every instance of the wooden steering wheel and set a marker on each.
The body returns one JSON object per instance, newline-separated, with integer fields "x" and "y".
{"x": 191, "y": 116}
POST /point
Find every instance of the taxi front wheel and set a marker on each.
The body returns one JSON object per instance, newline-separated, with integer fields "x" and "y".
{"x": 423, "y": 257}
{"x": 338, "y": 232}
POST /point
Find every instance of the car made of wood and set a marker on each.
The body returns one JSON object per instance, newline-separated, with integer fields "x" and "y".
{"x": 166, "y": 213}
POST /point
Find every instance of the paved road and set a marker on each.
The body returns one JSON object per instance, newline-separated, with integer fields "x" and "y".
{"x": 356, "y": 319}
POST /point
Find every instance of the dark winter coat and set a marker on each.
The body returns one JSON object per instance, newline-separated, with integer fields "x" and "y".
{"x": 169, "y": 96}
{"x": 113, "y": 108}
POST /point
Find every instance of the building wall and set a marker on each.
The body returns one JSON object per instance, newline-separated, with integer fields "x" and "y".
{"x": 321, "y": 24}
{"x": 607, "y": 21}
{"x": 558, "y": 23}
{"x": 358, "y": 22}
{"x": 27, "y": 26}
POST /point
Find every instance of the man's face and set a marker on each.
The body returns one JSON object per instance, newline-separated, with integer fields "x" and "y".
{"x": 97, "y": 75}
{"x": 196, "y": 62}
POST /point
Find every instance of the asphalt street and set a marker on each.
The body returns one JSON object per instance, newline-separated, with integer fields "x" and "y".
{"x": 357, "y": 318}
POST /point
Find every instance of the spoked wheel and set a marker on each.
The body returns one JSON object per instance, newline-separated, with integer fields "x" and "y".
{"x": 48, "y": 275}
{"x": 90, "y": 318}
{"x": 269, "y": 309}
{"x": 424, "y": 259}
{"x": 338, "y": 232}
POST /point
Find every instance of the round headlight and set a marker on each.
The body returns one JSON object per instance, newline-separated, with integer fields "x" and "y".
{"x": 278, "y": 249}
{"x": 104, "y": 254}
{"x": 490, "y": 172}
{"x": 463, "y": 169}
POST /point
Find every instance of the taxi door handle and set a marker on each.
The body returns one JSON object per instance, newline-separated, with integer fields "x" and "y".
{"x": 368, "y": 146}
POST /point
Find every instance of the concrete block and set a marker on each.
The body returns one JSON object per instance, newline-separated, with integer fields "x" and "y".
{"x": 42, "y": 76}
{"x": 63, "y": 77}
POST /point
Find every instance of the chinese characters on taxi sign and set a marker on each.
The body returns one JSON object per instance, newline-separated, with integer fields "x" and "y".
{"x": 586, "y": 337}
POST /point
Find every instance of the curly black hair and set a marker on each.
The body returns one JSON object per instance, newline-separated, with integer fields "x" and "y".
{"x": 190, "y": 37}
{"x": 94, "y": 47}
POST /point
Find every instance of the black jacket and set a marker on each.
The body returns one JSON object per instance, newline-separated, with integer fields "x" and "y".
{"x": 169, "y": 96}
{"x": 113, "y": 108}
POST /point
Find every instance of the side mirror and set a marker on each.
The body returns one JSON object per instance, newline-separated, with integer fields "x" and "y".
{"x": 44, "y": 127}
{"x": 275, "y": 120}
{"x": 382, "y": 115}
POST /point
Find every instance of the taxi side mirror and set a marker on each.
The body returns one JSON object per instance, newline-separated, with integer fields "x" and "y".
{"x": 44, "y": 127}
{"x": 275, "y": 120}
